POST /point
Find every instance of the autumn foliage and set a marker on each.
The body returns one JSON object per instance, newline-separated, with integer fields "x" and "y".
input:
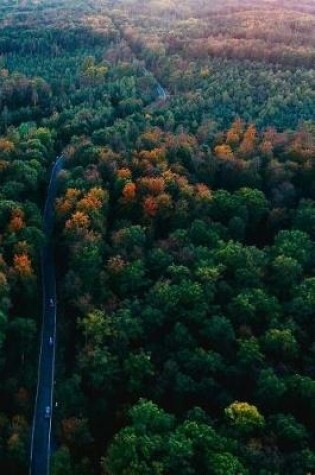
{"x": 78, "y": 221}
{"x": 183, "y": 235}
{"x": 17, "y": 221}
{"x": 129, "y": 192}
{"x": 68, "y": 202}
{"x": 93, "y": 200}
{"x": 150, "y": 206}
{"x": 22, "y": 265}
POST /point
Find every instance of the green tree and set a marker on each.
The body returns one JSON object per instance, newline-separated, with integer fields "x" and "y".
{"x": 281, "y": 344}
{"x": 244, "y": 417}
{"x": 270, "y": 389}
{"x": 137, "y": 449}
{"x": 61, "y": 462}
{"x": 290, "y": 433}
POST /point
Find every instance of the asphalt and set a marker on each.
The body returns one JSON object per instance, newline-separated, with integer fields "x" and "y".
{"x": 161, "y": 92}
{"x": 41, "y": 429}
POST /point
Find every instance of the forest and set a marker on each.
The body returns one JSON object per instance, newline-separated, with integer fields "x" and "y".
{"x": 183, "y": 239}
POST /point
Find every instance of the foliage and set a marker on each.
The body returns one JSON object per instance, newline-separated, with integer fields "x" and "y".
{"x": 184, "y": 233}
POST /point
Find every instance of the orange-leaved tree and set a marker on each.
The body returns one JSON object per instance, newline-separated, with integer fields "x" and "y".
{"x": 22, "y": 264}
{"x": 17, "y": 221}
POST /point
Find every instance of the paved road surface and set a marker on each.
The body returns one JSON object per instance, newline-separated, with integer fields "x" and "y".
{"x": 161, "y": 92}
{"x": 41, "y": 430}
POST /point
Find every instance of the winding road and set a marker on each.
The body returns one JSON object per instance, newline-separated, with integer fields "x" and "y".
{"x": 41, "y": 429}
{"x": 161, "y": 92}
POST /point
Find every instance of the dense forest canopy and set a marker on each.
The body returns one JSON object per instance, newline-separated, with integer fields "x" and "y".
{"x": 184, "y": 236}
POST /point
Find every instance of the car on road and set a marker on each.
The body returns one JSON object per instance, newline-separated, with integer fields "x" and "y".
{"x": 47, "y": 412}
{"x": 51, "y": 302}
{"x": 51, "y": 341}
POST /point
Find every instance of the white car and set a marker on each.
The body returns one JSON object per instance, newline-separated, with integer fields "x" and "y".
{"x": 51, "y": 341}
{"x": 47, "y": 412}
{"x": 51, "y": 302}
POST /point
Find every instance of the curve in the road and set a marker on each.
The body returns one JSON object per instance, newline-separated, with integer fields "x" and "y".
{"x": 41, "y": 429}
{"x": 161, "y": 92}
